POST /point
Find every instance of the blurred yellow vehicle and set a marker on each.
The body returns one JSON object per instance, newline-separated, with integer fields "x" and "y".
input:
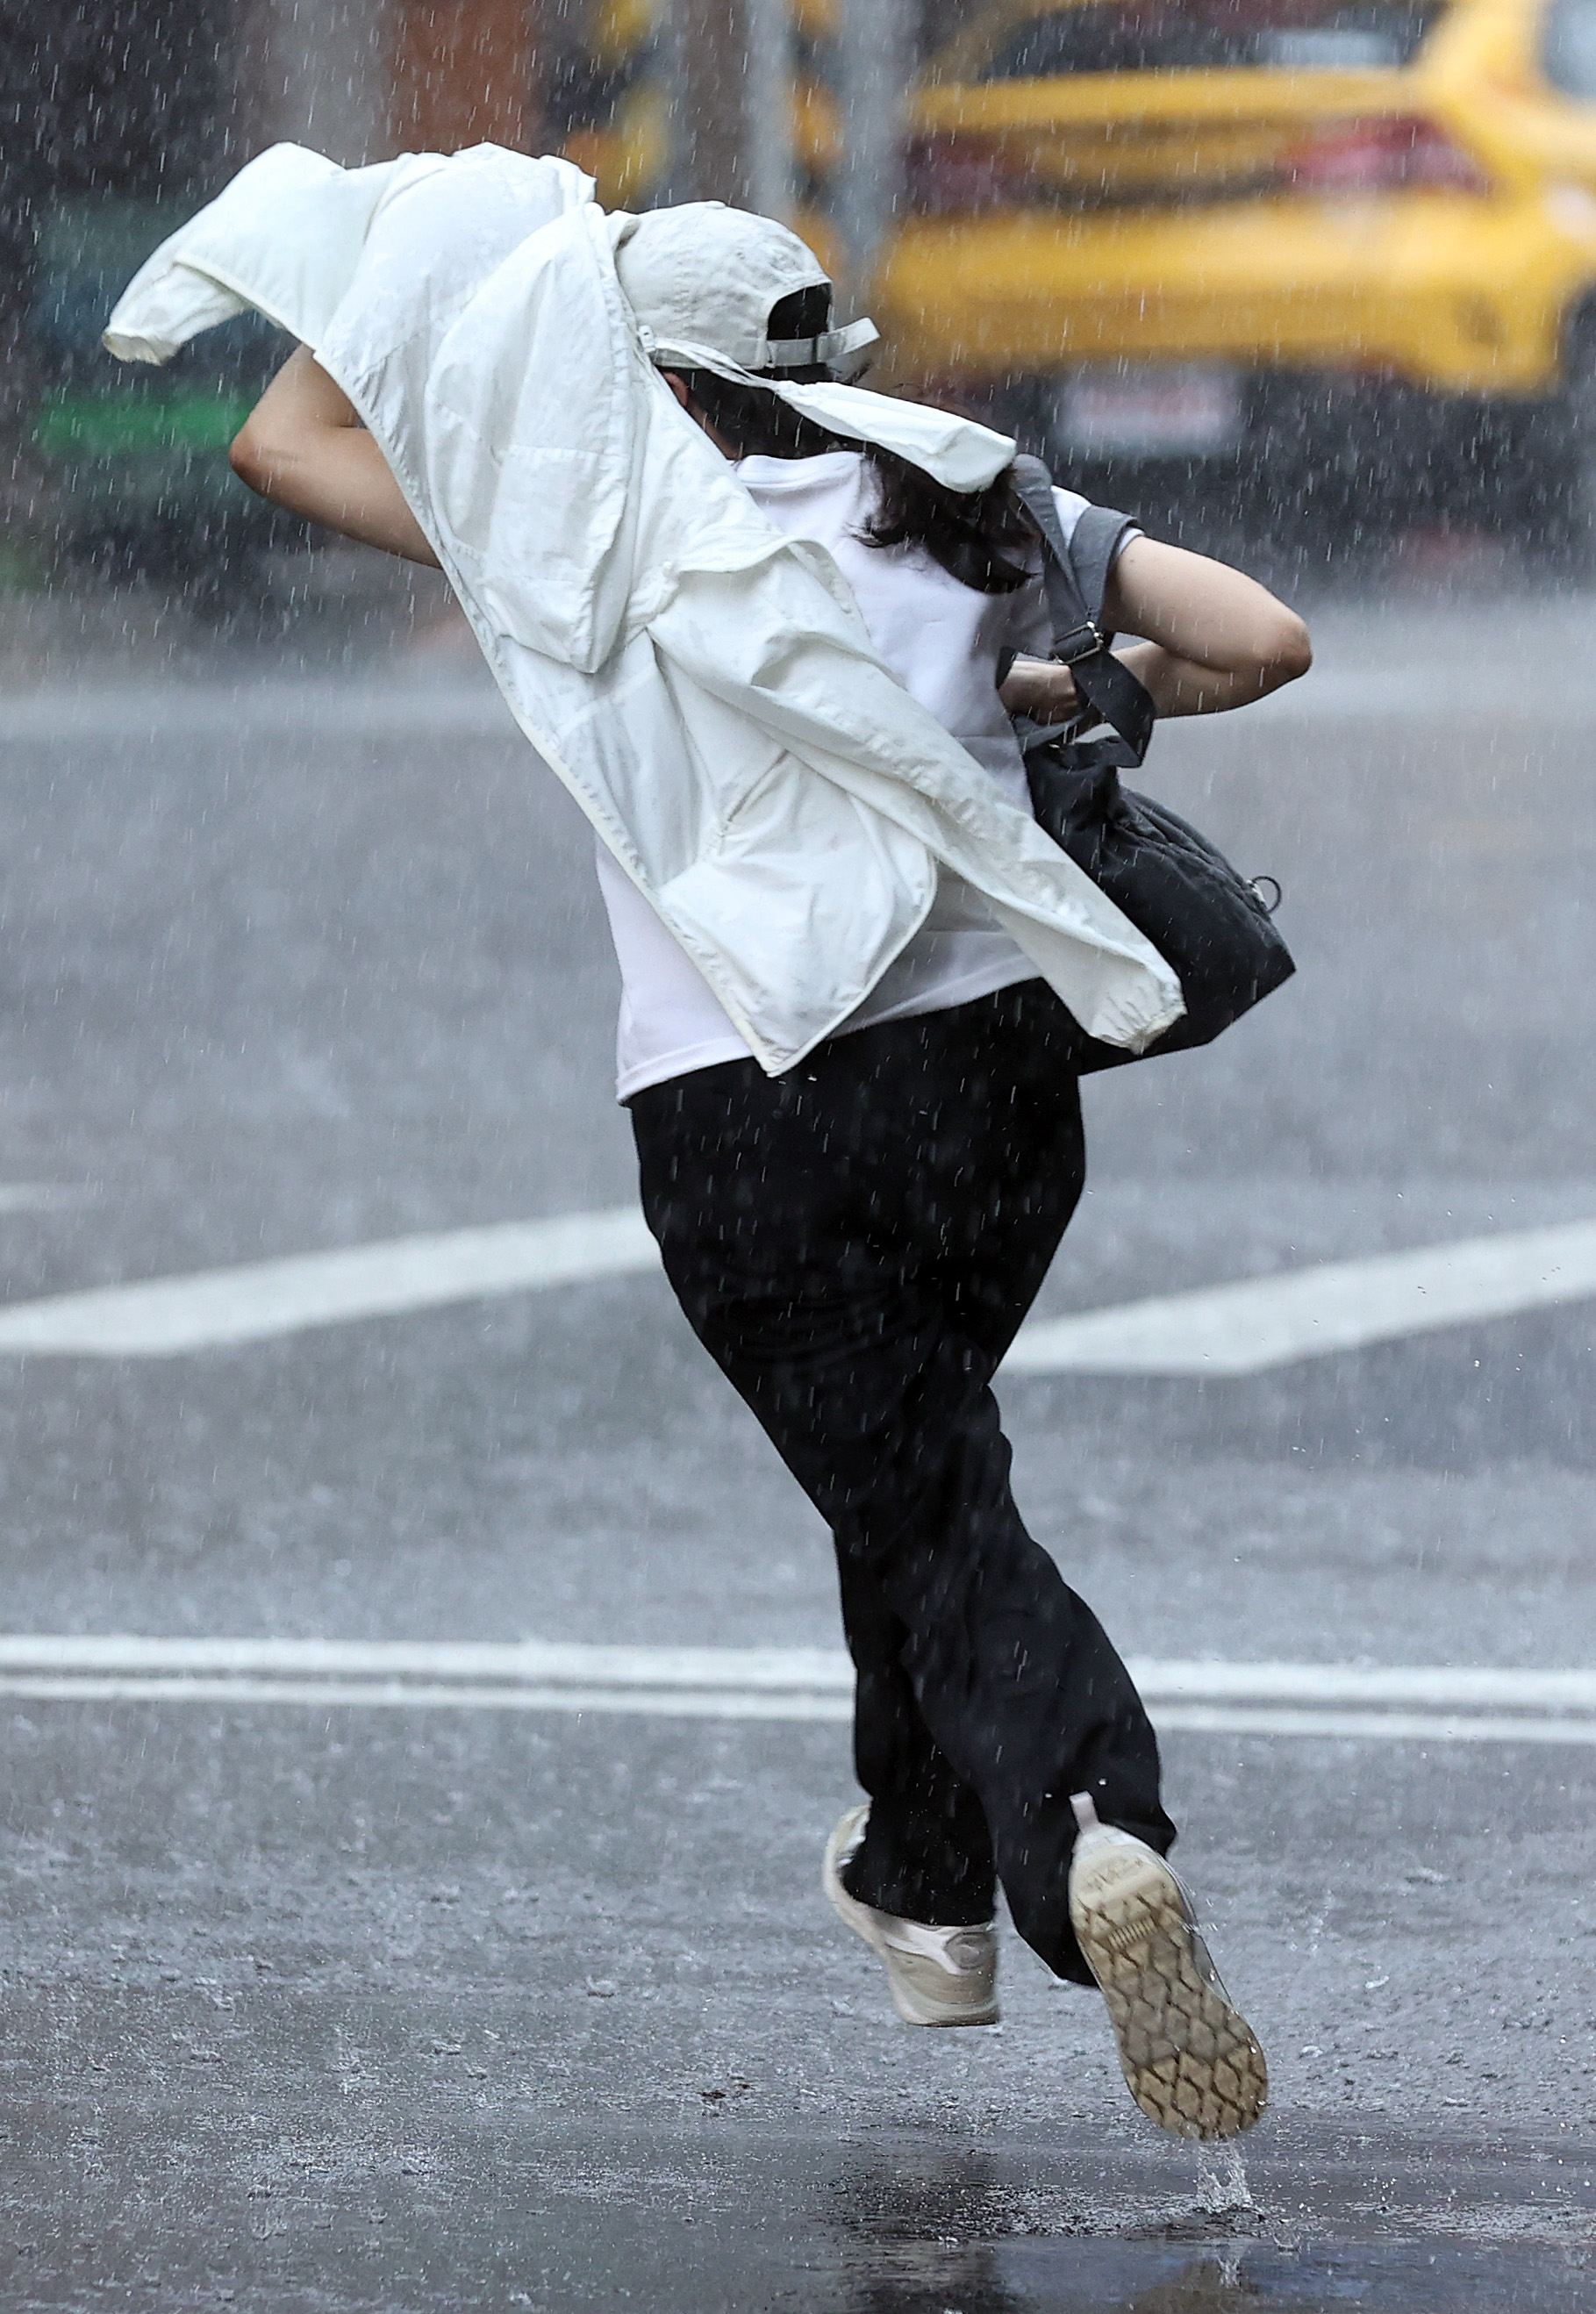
{"x": 1354, "y": 232}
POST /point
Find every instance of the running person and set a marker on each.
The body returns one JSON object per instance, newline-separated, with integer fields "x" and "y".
{"x": 857, "y": 1240}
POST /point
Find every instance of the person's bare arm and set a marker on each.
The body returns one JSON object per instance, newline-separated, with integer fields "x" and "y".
{"x": 304, "y": 447}
{"x": 1215, "y": 638}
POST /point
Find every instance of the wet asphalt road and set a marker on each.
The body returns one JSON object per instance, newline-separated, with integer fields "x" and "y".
{"x": 388, "y": 2010}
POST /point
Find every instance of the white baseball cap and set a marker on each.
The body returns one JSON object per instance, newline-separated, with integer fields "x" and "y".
{"x": 702, "y": 280}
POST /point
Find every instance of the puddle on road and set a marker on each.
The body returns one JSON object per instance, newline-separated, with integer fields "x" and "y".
{"x": 451, "y": 2196}
{"x": 1128, "y": 2277}
{"x": 1452, "y": 2232}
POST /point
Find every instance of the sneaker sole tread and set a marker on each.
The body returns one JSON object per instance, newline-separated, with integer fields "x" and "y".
{"x": 1190, "y": 2059}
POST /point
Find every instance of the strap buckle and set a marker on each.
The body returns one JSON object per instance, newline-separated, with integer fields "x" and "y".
{"x": 1083, "y": 642}
{"x": 806, "y": 353}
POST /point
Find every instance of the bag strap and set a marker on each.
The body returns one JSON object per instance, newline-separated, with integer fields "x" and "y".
{"x": 1075, "y": 573}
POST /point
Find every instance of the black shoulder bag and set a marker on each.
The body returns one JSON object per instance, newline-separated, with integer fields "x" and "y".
{"x": 1209, "y": 924}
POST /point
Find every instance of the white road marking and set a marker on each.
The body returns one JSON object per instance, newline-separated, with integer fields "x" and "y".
{"x": 1260, "y": 1322}
{"x": 778, "y": 1683}
{"x": 672, "y": 1702}
{"x": 1440, "y": 1686}
{"x": 1364, "y": 1727}
{"x": 537, "y": 1662}
{"x": 1239, "y": 1328}
{"x": 260, "y": 1300}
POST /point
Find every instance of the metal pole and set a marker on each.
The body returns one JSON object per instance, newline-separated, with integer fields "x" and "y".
{"x": 768, "y": 89}
{"x": 670, "y": 50}
{"x": 876, "y": 52}
{"x": 703, "y": 54}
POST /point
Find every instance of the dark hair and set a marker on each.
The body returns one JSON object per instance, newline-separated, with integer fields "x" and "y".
{"x": 982, "y": 538}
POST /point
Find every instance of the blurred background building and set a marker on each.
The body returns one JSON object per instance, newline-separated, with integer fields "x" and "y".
{"x": 118, "y": 116}
{"x": 1325, "y": 263}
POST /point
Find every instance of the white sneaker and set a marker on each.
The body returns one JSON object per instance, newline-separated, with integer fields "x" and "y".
{"x": 935, "y": 1976}
{"x": 1188, "y": 2055}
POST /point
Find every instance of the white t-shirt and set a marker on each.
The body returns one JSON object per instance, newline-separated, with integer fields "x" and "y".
{"x": 944, "y": 641}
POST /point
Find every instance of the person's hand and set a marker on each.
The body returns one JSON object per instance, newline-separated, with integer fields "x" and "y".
{"x": 1039, "y": 688}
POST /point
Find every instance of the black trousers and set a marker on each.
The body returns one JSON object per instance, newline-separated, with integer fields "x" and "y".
{"x": 856, "y": 1243}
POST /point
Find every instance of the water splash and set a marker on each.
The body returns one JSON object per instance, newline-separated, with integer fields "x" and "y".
{"x": 1222, "y": 2190}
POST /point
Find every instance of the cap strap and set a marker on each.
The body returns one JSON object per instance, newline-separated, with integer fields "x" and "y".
{"x": 803, "y": 353}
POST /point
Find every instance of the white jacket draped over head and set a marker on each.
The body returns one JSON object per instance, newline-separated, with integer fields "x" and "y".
{"x": 703, "y": 683}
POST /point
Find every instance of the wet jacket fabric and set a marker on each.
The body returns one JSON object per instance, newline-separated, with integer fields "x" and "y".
{"x": 701, "y": 683}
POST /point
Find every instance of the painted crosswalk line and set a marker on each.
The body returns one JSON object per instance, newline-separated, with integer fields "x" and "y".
{"x": 1260, "y": 1322}
{"x": 1414, "y": 1703}
{"x": 1243, "y": 1328}
{"x": 259, "y": 1300}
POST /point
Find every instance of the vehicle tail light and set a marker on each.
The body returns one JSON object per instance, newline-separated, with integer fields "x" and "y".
{"x": 950, "y": 174}
{"x": 1383, "y": 155}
